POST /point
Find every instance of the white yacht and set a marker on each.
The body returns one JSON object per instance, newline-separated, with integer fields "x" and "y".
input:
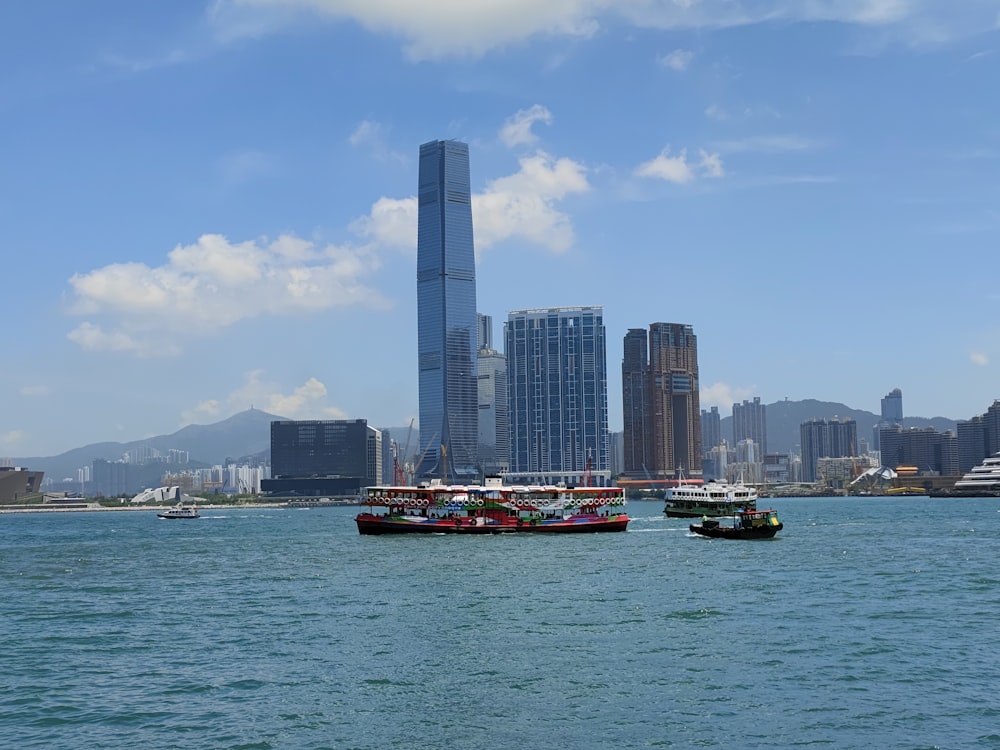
{"x": 982, "y": 480}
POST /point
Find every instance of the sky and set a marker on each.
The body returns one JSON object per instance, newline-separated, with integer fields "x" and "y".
{"x": 208, "y": 205}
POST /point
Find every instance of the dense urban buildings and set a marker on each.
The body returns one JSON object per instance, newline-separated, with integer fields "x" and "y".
{"x": 821, "y": 438}
{"x": 557, "y": 395}
{"x": 750, "y": 423}
{"x": 446, "y": 315}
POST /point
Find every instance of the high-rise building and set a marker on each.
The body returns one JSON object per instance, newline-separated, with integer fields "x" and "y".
{"x": 892, "y": 415}
{"x": 558, "y": 395}
{"x": 711, "y": 429}
{"x": 447, "y": 331}
{"x": 892, "y": 407}
{"x": 978, "y": 438}
{"x": 674, "y": 400}
{"x": 484, "y": 331}
{"x": 494, "y": 425}
{"x": 750, "y": 423}
{"x": 821, "y": 438}
{"x": 637, "y": 456}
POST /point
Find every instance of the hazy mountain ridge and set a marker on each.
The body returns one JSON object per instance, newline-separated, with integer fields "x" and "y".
{"x": 784, "y": 418}
{"x": 248, "y": 433}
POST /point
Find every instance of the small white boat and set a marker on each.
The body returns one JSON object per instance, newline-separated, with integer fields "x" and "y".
{"x": 180, "y": 511}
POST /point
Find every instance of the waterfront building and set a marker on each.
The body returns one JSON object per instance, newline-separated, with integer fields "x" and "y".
{"x": 447, "y": 329}
{"x": 323, "y": 457}
{"x": 557, "y": 395}
{"x": 636, "y": 453}
{"x": 978, "y": 438}
{"x": 930, "y": 451}
{"x": 891, "y": 416}
{"x": 16, "y": 482}
{"x": 777, "y": 468}
{"x": 750, "y": 423}
{"x": 821, "y": 438}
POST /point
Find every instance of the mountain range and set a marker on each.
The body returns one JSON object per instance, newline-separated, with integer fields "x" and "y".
{"x": 248, "y": 433}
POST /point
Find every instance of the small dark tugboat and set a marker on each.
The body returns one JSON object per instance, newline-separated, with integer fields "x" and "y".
{"x": 746, "y": 524}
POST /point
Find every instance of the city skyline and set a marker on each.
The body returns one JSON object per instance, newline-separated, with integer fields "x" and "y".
{"x": 211, "y": 204}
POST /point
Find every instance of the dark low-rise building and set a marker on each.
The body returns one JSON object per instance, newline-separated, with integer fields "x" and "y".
{"x": 16, "y": 483}
{"x": 323, "y": 458}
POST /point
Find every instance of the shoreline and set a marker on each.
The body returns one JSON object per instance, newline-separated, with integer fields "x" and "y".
{"x": 97, "y": 508}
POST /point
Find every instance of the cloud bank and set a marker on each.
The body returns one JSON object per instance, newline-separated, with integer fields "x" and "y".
{"x": 446, "y": 28}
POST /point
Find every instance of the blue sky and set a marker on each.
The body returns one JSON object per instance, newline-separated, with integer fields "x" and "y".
{"x": 210, "y": 205}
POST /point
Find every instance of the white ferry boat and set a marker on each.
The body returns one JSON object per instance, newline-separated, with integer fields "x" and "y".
{"x": 712, "y": 499}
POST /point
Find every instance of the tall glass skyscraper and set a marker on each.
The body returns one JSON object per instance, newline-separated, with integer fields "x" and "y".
{"x": 446, "y": 315}
{"x": 558, "y": 394}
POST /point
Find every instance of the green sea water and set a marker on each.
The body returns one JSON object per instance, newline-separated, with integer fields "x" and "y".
{"x": 867, "y": 623}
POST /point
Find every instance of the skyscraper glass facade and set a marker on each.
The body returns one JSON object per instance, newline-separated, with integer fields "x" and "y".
{"x": 558, "y": 390}
{"x": 446, "y": 315}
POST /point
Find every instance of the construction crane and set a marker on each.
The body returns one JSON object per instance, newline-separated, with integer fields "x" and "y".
{"x": 399, "y": 477}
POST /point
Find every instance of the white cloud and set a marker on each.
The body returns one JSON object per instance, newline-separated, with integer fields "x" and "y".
{"x": 516, "y": 131}
{"x": 307, "y": 401}
{"x": 442, "y": 28}
{"x": 11, "y": 439}
{"x": 677, "y": 60}
{"x": 521, "y": 205}
{"x": 979, "y": 359}
{"x": 433, "y": 29}
{"x": 678, "y": 169}
{"x": 212, "y": 284}
{"x": 371, "y": 134}
{"x": 724, "y": 396}
{"x": 392, "y": 222}
{"x": 32, "y": 391}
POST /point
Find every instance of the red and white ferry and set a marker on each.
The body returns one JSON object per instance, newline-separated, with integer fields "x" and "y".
{"x": 492, "y": 508}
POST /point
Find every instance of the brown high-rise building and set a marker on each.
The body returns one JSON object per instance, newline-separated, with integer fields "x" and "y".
{"x": 662, "y": 413}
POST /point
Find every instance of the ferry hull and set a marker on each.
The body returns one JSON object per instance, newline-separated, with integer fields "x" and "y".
{"x": 727, "y": 532}
{"x": 370, "y": 524}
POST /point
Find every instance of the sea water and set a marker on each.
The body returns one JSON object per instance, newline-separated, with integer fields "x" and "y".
{"x": 866, "y": 623}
